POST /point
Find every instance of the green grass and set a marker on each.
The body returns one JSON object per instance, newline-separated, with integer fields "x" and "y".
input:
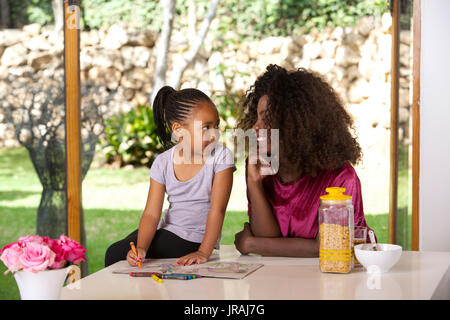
{"x": 112, "y": 200}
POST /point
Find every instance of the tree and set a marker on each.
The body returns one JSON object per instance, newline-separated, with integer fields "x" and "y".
{"x": 196, "y": 44}
{"x": 159, "y": 78}
{"x": 58, "y": 14}
{"x": 5, "y": 13}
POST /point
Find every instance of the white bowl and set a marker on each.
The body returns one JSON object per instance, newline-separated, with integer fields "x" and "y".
{"x": 381, "y": 260}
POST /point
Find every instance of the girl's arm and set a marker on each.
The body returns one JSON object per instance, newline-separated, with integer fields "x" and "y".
{"x": 151, "y": 215}
{"x": 220, "y": 194}
{"x": 283, "y": 247}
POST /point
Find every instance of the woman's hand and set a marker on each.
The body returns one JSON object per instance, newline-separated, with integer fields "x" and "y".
{"x": 194, "y": 257}
{"x": 133, "y": 259}
{"x": 242, "y": 239}
{"x": 254, "y": 166}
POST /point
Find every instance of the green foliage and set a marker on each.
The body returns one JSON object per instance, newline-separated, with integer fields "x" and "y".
{"x": 227, "y": 102}
{"x": 256, "y": 19}
{"x": 40, "y": 11}
{"x": 131, "y": 138}
{"x": 30, "y": 11}
{"x": 137, "y": 13}
{"x": 252, "y": 19}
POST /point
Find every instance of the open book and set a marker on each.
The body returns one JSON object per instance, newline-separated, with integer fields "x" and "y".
{"x": 212, "y": 269}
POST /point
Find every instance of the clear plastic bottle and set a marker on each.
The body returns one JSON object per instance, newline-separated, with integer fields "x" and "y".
{"x": 336, "y": 231}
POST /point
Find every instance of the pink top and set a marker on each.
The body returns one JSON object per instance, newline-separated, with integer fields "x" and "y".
{"x": 296, "y": 205}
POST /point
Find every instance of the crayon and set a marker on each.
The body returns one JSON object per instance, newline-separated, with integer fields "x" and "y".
{"x": 155, "y": 277}
{"x": 165, "y": 275}
{"x": 143, "y": 274}
{"x": 189, "y": 276}
{"x": 176, "y": 276}
{"x": 135, "y": 253}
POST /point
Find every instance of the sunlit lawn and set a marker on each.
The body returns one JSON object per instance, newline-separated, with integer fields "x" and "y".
{"x": 113, "y": 200}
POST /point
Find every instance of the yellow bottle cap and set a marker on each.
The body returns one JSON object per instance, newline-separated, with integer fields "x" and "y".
{"x": 335, "y": 193}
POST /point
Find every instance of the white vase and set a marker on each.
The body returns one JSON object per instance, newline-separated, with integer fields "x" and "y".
{"x": 43, "y": 285}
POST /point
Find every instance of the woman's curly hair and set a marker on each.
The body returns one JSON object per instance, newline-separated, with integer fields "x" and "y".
{"x": 315, "y": 129}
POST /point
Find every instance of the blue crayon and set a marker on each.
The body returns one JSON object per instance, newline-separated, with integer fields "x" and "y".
{"x": 180, "y": 276}
{"x": 176, "y": 276}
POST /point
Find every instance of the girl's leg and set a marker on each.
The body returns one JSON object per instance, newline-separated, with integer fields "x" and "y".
{"x": 165, "y": 244}
{"x": 118, "y": 250}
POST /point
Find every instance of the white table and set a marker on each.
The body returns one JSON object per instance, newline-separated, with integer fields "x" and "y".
{"x": 418, "y": 275}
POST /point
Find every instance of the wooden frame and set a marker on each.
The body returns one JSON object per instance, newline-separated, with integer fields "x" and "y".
{"x": 416, "y": 124}
{"x": 393, "y": 196}
{"x": 72, "y": 99}
{"x": 393, "y": 177}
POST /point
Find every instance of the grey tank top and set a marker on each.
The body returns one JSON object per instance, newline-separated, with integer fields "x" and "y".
{"x": 189, "y": 200}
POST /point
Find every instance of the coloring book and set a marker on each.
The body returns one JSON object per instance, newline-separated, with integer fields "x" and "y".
{"x": 212, "y": 269}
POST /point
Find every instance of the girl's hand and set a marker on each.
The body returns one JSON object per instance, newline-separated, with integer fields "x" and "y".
{"x": 133, "y": 259}
{"x": 194, "y": 257}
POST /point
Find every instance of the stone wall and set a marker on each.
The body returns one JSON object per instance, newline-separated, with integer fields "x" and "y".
{"x": 355, "y": 60}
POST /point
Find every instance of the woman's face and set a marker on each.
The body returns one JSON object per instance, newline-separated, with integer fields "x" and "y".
{"x": 263, "y": 140}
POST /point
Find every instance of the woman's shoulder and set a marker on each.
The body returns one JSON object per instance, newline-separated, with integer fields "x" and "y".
{"x": 346, "y": 177}
{"x": 347, "y": 172}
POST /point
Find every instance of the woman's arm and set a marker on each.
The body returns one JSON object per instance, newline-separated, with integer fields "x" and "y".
{"x": 246, "y": 243}
{"x": 220, "y": 194}
{"x": 151, "y": 215}
{"x": 262, "y": 220}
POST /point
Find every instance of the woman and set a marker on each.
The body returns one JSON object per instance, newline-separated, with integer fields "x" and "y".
{"x": 316, "y": 151}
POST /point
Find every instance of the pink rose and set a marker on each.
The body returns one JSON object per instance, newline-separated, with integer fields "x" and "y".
{"x": 11, "y": 245}
{"x": 36, "y": 257}
{"x": 59, "y": 255}
{"x": 48, "y": 241}
{"x": 31, "y": 238}
{"x": 10, "y": 256}
{"x": 74, "y": 252}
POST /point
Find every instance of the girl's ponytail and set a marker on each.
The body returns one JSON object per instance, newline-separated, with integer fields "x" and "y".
{"x": 159, "y": 115}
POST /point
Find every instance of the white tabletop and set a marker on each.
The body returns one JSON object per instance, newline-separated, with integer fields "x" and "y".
{"x": 418, "y": 275}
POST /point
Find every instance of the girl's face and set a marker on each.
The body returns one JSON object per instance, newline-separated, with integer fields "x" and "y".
{"x": 263, "y": 140}
{"x": 201, "y": 126}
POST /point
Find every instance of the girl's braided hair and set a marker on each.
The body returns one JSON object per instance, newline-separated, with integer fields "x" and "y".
{"x": 174, "y": 105}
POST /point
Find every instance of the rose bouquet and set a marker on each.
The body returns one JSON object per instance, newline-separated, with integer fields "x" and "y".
{"x": 34, "y": 253}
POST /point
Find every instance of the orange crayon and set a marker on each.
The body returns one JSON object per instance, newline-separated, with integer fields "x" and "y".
{"x": 135, "y": 253}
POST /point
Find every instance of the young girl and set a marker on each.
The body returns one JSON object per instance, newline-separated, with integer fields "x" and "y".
{"x": 197, "y": 174}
